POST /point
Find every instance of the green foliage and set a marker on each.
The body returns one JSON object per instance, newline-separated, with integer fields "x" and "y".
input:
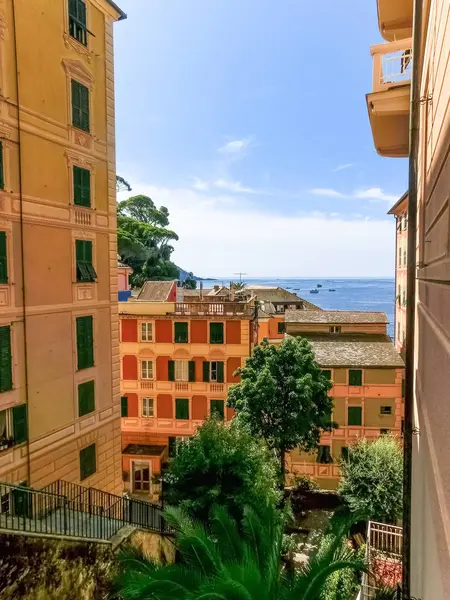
{"x": 283, "y": 396}
{"x": 343, "y": 584}
{"x": 304, "y": 483}
{"x": 227, "y": 560}
{"x": 190, "y": 283}
{"x": 221, "y": 464}
{"x": 143, "y": 240}
{"x": 372, "y": 479}
{"x": 237, "y": 285}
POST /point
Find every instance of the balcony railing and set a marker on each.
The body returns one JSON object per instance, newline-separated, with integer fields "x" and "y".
{"x": 392, "y": 64}
{"x": 213, "y": 308}
{"x": 384, "y": 557}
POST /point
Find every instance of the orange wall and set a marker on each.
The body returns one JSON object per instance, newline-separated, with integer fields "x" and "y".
{"x": 129, "y": 330}
{"x": 163, "y": 331}
{"x": 199, "y": 332}
{"x": 130, "y": 367}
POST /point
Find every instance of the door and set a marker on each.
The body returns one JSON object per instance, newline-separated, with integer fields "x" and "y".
{"x": 141, "y": 477}
{"x": 22, "y": 502}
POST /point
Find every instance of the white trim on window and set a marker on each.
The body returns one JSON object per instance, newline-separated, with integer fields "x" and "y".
{"x": 181, "y": 370}
{"x": 147, "y": 369}
{"x": 146, "y": 331}
{"x": 148, "y": 407}
{"x": 213, "y": 370}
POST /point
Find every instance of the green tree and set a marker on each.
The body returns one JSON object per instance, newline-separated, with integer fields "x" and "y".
{"x": 144, "y": 241}
{"x": 190, "y": 283}
{"x": 221, "y": 464}
{"x": 229, "y": 560}
{"x": 372, "y": 478}
{"x": 283, "y": 397}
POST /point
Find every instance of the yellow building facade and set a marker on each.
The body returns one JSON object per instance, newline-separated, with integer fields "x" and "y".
{"x": 59, "y": 353}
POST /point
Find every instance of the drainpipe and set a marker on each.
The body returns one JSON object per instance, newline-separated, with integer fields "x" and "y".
{"x": 411, "y": 290}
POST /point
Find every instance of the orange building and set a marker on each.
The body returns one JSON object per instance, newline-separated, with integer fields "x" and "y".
{"x": 367, "y": 374}
{"x": 400, "y": 210}
{"x": 178, "y": 359}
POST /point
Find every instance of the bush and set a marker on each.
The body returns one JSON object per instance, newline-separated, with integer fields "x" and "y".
{"x": 304, "y": 483}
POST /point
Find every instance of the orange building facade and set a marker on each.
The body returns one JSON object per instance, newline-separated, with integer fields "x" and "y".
{"x": 400, "y": 211}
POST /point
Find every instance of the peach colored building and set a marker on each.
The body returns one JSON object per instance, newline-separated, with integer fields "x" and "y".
{"x": 59, "y": 354}
{"x": 367, "y": 373}
{"x": 400, "y": 211}
{"x": 178, "y": 359}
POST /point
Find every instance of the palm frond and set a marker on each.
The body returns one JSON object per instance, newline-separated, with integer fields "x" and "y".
{"x": 226, "y": 534}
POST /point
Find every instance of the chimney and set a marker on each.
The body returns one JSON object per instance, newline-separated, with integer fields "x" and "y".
{"x": 201, "y": 290}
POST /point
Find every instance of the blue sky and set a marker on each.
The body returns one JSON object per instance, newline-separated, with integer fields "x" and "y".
{"x": 247, "y": 119}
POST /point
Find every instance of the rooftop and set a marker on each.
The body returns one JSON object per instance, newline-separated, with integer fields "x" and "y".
{"x": 144, "y": 450}
{"x": 156, "y": 291}
{"x": 335, "y": 316}
{"x": 400, "y": 205}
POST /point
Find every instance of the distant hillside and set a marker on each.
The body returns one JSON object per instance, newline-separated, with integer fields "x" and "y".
{"x": 185, "y": 274}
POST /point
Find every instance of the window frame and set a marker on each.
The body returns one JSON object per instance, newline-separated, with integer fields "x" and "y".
{"x": 144, "y": 464}
{"x": 3, "y": 257}
{"x": 214, "y": 411}
{"x": 144, "y": 370}
{"x": 184, "y": 339}
{"x": 178, "y": 406}
{"x": 8, "y": 440}
{"x": 183, "y": 366}
{"x": 78, "y": 25}
{"x": 82, "y": 187}
{"x": 2, "y": 165}
{"x": 350, "y": 371}
{"x": 146, "y": 326}
{"x": 81, "y": 117}
{"x": 324, "y": 454}
{"x": 386, "y": 410}
{"x": 86, "y": 353}
{"x": 352, "y": 408}
{"x": 147, "y": 407}
{"x": 335, "y": 329}
{"x": 82, "y": 389}
{"x": 6, "y": 370}
{"x": 281, "y": 327}
{"x": 84, "y": 475}
{"x": 214, "y": 324}
{"x": 84, "y": 267}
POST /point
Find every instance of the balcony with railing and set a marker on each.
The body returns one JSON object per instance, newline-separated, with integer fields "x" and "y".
{"x": 220, "y": 309}
{"x": 384, "y": 558}
{"x": 389, "y": 102}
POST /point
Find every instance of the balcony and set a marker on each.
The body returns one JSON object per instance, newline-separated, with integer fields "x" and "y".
{"x": 213, "y": 308}
{"x": 388, "y": 104}
{"x": 395, "y": 19}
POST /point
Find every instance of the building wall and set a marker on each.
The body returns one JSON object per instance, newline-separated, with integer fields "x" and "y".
{"x": 42, "y": 223}
{"x": 401, "y": 296}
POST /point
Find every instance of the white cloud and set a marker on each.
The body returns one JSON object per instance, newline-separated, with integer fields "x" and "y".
{"x": 343, "y": 167}
{"x": 373, "y": 194}
{"x": 328, "y": 192}
{"x": 235, "y": 147}
{"x": 220, "y": 235}
{"x": 200, "y": 184}
{"x": 234, "y": 186}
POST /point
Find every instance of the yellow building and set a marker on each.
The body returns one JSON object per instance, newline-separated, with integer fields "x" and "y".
{"x": 59, "y": 354}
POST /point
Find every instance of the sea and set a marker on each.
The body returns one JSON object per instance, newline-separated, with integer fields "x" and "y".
{"x": 350, "y": 294}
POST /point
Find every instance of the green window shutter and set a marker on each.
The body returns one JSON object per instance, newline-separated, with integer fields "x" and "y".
{"x": 344, "y": 453}
{"x": 2, "y": 175}
{"x": 86, "y": 398}
{"x": 355, "y": 377}
{"x": 172, "y": 446}
{"x": 5, "y": 359}
{"x": 206, "y": 371}
{"x": 20, "y": 428}
{"x": 85, "y": 342}
{"x": 217, "y": 407}
{"x": 85, "y": 108}
{"x": 327, "y": 373}
{"x": 182, "y": 408}
{"x": 171, "y": 369}
{"x": 3, "y": 258}
{"x": 319, "y": 454}
{"x": 181, "y": 333}
{"x": 191, "y": 370}
{"x": 124, "y": 406}
{"x": 81, "y": 186}
{"x": 354, "y": 415}
{"x": 403, "y": 388}
{"x": 88, "y": 462}
{"x": 80, "y": 106}
{"x": 220, "y": 372}
{"x": 83, "y": 256}
{"x": 216, "y": 333}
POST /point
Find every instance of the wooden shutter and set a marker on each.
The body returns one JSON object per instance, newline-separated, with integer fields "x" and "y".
{"x": 81, "y": 186}
{"x": 354, "y": 415}
{"x": 124, "y": 406}
{"x": 86, "y": 398}
{"x": 85, "y": 342}
{"x": 217, "y": 407}
{"x": 3, "y": 258}
{"x": 2, "y": 175}
{"x": 80, "y": 106}
{"x": 220, "y": 372}
{"x": 20, "y": 428}
{"x": 181, "y": 333}
{"x": 84, "y": 108}
{"x": 171, "y": 370}
{"x": 216, "y": 333}
{"x": 5, "y": 359}
{"x": 88, "y": 462}
{"x": 182, "y": 408}
{"x": 344, "y": 453}
{"x": 206, "y": 371}
{"x": 80, "y": 254}
{"x": 191, "y": 370}
{"x": 355, "y": 377}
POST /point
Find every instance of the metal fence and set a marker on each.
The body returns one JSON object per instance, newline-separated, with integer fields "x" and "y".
{"x": 384, "y": 557}
{"x": 65, "y": 508}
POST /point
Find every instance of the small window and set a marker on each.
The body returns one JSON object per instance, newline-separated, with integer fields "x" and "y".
{"x": 81, "y": 187}
{"x": 88, "y": 462}
{"x": 181, "y": 370}
{"x": 141, "y": 476}
{"x": 354, "y": 415}
{"x": 344, "y": 453}
{"x": 216, "y": 371}
{"x": 5, "y": 359}
{"x": 335, "y": 329}
{"x": 216, "y": 333}
{"x": 146, "y": 369}
{"x": 327, "y": 373}
{"x": 182, "y": 409}
{"x": 282, "y": 327}
{"x": 385, "y": 431}
{"x": 386, "y": 410}
{"x": 6, "y": 430}
{"x": 13, "y": 426}
{"x": 85, "y": 268}
{"x": 86, "y": 398}
{"x": 146, "y": 332}
{"x": 217, "y": 408}
{"x": 324, "y": 455}
{"x": 404, "y": 257}
{"x": 77, "y": 21}
{"x": 85, "y": 342}
{"x": 80, "y": 106}
{"x": 2, "y": 174}
{"x": 148, "y": 407}
{"x": 124, "y": 406}
{"x": 355, "y": 377}
{"x": 399, "y": 256}
{"x": 3, "y": 258}
{"x": 174, "y": 445}
{"x": 181, "y": 333}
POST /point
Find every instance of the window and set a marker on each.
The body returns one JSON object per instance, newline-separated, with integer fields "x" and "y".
{"x": 85, "y": 269}
{"x": 355, "y": 377}
{"x": 86, "y": 398}
{"x": 399, "y": 330}
{"x": 81, "y": 187}
{"x": 399, "y": 295}
{"x": 6, "y": 431}
{"x": 335, "y": 329}
{"x": 282, "y": 327}
{"x": 148, "y": 407}
{"x": 123, "y": 406}
{"x": 141, "y": 476}
{"x": 174, "y": 445}
{"x": 403, "y": 388}
{"x": 404, "y": 298}
{"x": 344, "y": 453}
{"x": 146, "y": 369}
{"x": 327, "y": 373}
{"x": 354, "y": 416}
{"x": 217, "y": 408}
{"x": 404, "y": 257}
{"x": 217, "y": 371}
{"x": 85, "y": 342}
{"x": 181, "y": 370}
{"x": 181, "y": 333}
{"x": 80, "y": 106}
{"x": 385, "y": 431}
{"x": 216, "y": 333}
{"x": 5, "y": 359}
{"x": 182, "y": 409}
{"x": 385, "y": 410}
{"x": 399, "y": 256}
{"x": 77, "y": 21}
{"x": 13, "y": 426}
{"x": 3, "y": 258}
{"x": 146, "y": 332}
{"x": 88, "y": 462}
{"x": 2, "y": 175}
{"x": 324, "y": 455}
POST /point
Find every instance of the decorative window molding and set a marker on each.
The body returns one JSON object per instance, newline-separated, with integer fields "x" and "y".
{"x": 71, "y": 42}
{"x": 76, "y": 71}
{"x": 77, "y": 159}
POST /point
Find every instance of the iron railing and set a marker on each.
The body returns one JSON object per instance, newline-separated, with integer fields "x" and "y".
{"x": 384, "y": 558}
{"x": 69, "y": 509}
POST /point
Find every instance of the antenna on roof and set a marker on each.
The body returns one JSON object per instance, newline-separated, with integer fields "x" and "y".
{"x": 240, "y": 275}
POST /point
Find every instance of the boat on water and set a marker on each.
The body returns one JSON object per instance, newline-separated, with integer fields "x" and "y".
{"x": 331, "y": 290}
{"x": 313, "y": 291}
{"x": 319, "y": 285}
